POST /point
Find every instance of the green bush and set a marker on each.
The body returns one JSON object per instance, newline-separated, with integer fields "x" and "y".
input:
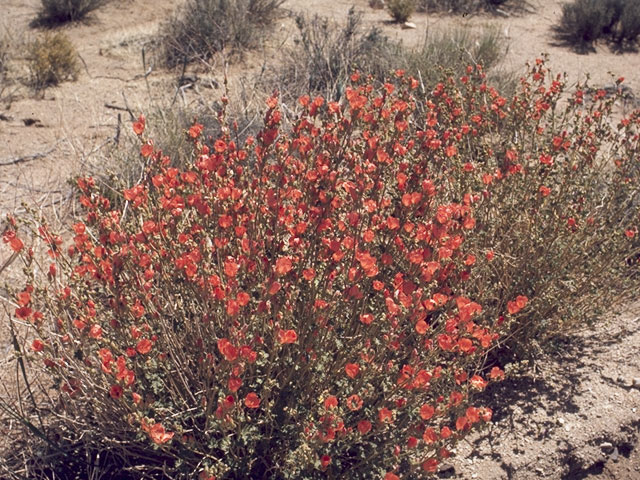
{"x": 60, "y": 11}
{"x": 201, "y": 28}
{"x": 52, "y": 59}
{"x": 401, "y": 10}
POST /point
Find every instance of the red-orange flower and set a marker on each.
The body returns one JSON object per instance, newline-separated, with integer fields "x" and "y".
{"x": 430, "y": 465}
{"x": 518, "y": 304}
{"x": 352, "y": 369}
{"x": 385, "y": 415}
{"x": 37, "y": 345}
{"x": 12, "y": 239}
{"x": 287, "y": 336}
{"x": 283, "y": 265}
{"x": 364, "y": 427}
{"x": 366, "y": 318}
{"x": 227, "y": 350}
{"x": 354, "y": 402}
{"x": 427, "y": 411}
{"x": 144, "y": 346}
{"x": 330, "y": 402}
{"x": 138, "y": 127}
{"x": 159, "y": 435}
{"x": 116, "y": 391}
{"x": 252, "y": 400}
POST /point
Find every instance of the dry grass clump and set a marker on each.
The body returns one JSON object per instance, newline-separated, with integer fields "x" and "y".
{"x": 401, "y": 10}
{"x": 201, "y": 28}
{"x": 51, "y": 60}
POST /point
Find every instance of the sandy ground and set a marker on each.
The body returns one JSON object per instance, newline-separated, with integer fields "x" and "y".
{"x": 557, "y": 423}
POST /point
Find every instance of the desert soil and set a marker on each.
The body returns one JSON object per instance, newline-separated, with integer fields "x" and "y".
{"x": 575, "y": 416}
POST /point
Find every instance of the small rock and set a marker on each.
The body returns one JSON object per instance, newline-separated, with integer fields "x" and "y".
{"x": 614, "y": 455}
{"x": 636, "y": 382}
{"x": 30, "y": 121}
{"x": 539, "y": 470}
{"x": 447, "y": 471}
{"x": 561, "y": 421}
{"x": 606, "y": 447}
{"x": 410, "y": 25}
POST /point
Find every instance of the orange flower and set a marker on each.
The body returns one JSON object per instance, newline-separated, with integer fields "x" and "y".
{"x": 518, "y": 304}
{"x": 195, "y": 130}
{"x": 466, "y": 345}
{"x": 230, "y": 267}
{"x": 430, "y": 465}
{"x": 283, "y": 265}
{"x": 234, "y": 384}
{"x": 252, "y": 400}
{"x": 331, "y": 402}
{"x": 352, "y": 369}
{"x": 496, "y": 373}
{"x": 364, "y": 427}
{"x": 138, "y": 127}
{"x": 461, "y": 423}
{"x": 366, "y": 318}
{"x": 37, "y": 345}
{"x": 385, "y": 415}
{"x": 430, "y": 436}
{"x": 146, "y": 150}
{"x": 427, "y": 411}
{"x": 391, "y": 476}
{"x": 227, "y": 350}
{"x": 287, "y": 336}
{"x": 144, "y": 346}
{"x": 544, "y": 191}
{"x": 14, "y": 242}
{"x": 116, "y": 392}
{"x": 422, "y": 327}
{"x": 354, "y": 402}
{"x": 159, "y": 435}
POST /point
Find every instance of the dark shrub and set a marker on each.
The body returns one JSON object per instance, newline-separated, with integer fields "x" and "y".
{"x": 201, "y": 28}
{"x": 60, "y": 11}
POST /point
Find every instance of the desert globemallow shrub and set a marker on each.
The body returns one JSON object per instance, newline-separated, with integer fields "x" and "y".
{"x": 320, "y": 301}
{"x": 290, "y": 308}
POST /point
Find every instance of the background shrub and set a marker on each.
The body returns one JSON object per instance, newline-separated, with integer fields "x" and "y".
{"x": 60, "y": 11}
{"x": 51, "y": 59}
{"x": 4, "y": 60}
{"x": 325, "y": 54}
{"x": 201, "y": 28}
{"x": 401, "y": 10}
{"x": 467, "y": 6}
{"x": 585, "y": 21}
